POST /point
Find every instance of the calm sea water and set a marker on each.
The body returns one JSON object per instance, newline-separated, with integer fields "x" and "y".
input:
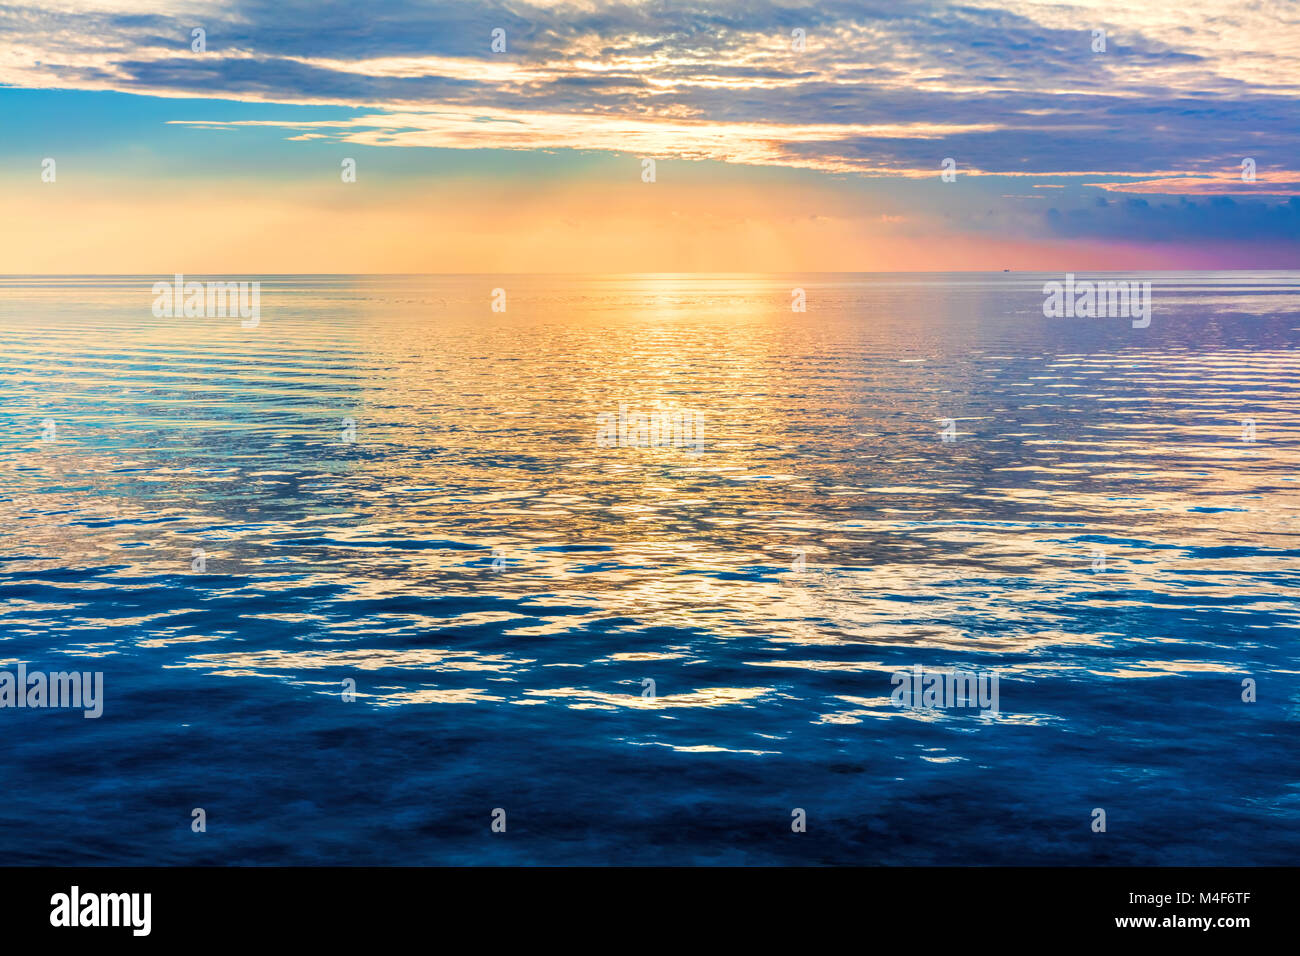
{"x": 500, "y": 587}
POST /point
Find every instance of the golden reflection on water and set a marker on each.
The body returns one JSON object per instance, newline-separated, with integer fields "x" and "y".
{"x": 476, "y": 431}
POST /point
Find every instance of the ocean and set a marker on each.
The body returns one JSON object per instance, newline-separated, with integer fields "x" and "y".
{"x": 625, "y": 570}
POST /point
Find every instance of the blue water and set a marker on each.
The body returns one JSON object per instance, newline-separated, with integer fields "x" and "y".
{"x": 513, "y": 678}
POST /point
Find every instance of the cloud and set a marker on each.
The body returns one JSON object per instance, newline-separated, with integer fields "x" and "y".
{"x": 1179, "y": 95}
{"x": 1185, "y": 220}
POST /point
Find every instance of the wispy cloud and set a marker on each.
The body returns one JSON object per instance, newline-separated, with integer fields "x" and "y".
{"x": 1182, "y": 90}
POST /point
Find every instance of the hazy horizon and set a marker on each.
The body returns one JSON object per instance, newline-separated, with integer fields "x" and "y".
{"x": 699, "y": 272}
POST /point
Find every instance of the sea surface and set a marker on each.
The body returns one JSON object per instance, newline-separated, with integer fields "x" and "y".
{"x": 362, "y": 579}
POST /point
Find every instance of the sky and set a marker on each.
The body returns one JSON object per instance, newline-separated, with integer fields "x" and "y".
{"x": 785, "y": 136}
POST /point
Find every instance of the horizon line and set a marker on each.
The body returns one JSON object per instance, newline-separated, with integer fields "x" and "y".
{"x": 992, "y": 272}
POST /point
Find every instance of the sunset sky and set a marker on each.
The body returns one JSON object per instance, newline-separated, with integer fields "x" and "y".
{"x": 769, "y": 158}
